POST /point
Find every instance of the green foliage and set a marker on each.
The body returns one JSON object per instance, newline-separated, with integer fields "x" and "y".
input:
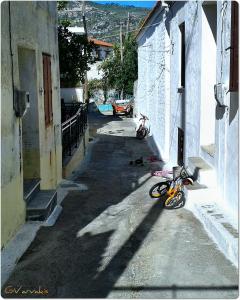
{"x": 130, "y": 64}
{"x": 118, "y": 75}
{"x": 75, "y": 55}
{"x": 61, "y": 5}
{"x": 65, "y": 23}
{"x": 103, "y": 19}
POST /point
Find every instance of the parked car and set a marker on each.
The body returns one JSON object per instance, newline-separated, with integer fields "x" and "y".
{"x": 124, "y": 107}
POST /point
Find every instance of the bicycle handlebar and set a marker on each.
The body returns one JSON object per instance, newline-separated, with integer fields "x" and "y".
{"x": 144, "y": 117}
{"x": 183, "y": 174}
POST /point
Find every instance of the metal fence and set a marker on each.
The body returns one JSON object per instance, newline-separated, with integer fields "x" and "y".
{"x": 69, "y": 109}
{"x": 72, "y": 131}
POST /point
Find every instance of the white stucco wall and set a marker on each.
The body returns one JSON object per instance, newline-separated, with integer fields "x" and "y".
{"x": 152, "y": 90}
{"x": 194, "y": 109}
{"x": 227, "y": 123}
{"x": 72, "y": 94}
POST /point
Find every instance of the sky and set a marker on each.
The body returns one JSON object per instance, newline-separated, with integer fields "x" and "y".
{"x": 148, "y": 4}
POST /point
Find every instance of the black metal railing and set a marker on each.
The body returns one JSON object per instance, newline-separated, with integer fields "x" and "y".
{"x": 72, "y": 131}
{"x": 69, "y": 109}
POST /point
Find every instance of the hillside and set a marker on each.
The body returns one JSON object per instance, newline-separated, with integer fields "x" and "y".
{"x": 103, "y": 20}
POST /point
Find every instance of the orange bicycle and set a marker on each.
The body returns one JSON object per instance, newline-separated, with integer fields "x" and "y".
{"x": 172, "y": 189}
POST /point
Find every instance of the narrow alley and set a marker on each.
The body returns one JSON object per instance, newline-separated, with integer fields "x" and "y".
{"x": 113, "y": 241}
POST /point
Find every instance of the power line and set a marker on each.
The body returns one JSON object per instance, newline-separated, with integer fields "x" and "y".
{"x": 104, "y": 37}
{"x": 114, "y": 35}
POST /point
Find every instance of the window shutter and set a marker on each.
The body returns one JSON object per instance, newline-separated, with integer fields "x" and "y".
{"x": 50, "y": 89}
{"x": 47, "y": 84}
{"x": 234, "y": 48}
{"x": 45, "y": 87}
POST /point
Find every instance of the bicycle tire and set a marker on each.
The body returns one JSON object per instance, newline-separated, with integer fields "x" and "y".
{"x": 176, "y": 203}
{"x": 165, "y": 187}
{"x": 141, "y": 133}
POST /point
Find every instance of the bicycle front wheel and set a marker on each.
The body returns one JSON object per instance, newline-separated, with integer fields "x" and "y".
{"x": 159, "y": 189}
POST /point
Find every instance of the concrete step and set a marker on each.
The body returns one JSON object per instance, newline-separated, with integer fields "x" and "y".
{"x": 204, "y": 203}
{"x": 205, "y": 173}
{"x": 41, "y": 206}
{"x": 200, "y": 192}
{"x": 31, "y": 187}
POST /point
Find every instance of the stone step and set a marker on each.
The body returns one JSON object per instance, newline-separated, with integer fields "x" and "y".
{"x": 205, "y": 205}
{"x": 31, "y": 187}
{"x": 206, "y": 174}
{"x": 41, "y": 206}
{"x": 200, "y": 192}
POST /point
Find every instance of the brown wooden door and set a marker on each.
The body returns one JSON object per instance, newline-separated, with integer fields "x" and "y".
{"x": 47, "y": 86}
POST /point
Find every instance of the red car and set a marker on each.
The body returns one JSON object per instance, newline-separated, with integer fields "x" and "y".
{"x": 122, "y": 107}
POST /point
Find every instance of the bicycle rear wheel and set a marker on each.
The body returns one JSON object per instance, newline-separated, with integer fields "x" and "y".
{"x": 141, "y": 133}
{"x": 176, "y": 202}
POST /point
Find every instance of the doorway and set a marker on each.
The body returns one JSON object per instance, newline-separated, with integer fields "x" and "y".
{"x": 30, "y": 121}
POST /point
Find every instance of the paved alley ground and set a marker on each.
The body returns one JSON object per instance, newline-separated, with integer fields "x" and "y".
{"x": 112, "y": 241}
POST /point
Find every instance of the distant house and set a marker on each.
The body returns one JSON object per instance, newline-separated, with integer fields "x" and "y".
{"x": 31, "y": 160}
{"x": 76, "y": 30}
{"x": 188, "y": 88}
{"x": 101, "y": 51}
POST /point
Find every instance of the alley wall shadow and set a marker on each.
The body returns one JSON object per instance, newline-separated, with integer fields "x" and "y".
{"x": 66, "y": 265}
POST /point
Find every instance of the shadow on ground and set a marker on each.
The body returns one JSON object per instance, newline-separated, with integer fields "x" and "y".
{"x": 68, "y": 265}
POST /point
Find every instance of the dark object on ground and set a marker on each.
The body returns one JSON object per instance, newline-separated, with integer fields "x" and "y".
{"x": 138, "y": 161}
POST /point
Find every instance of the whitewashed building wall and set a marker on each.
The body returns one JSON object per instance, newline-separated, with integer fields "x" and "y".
{"x": 153, "y": 91}
{"x": 194, "y": 109}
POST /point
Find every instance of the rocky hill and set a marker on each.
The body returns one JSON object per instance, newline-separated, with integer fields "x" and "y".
{"x": 103, "y": 20}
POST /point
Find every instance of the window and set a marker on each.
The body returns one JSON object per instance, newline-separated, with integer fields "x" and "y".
{"x": 47, "y": 86}
{"x": 99, "y": 54}
{"x": 234, "y": 48}
{"x": 182, "y": 55}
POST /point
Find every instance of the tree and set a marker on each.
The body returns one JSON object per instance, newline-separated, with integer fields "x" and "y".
{"x": 130, "y": 64}
{"x": 121, "y": 76}
{"x": 61, "y": 5}
{"x": 75, "y": 55}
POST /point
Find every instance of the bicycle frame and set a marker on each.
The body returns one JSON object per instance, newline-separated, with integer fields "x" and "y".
{"x": 176, "y": 186}
{"x": 142, "y": 121}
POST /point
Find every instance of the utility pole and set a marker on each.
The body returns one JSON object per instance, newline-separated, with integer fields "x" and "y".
{"x": 121, "y": 52}
{"x": 121, "y": 43}
{"x": 128, "y": 22}
{"x": 86, "y": 100}
{"x": 83, "y": 17}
